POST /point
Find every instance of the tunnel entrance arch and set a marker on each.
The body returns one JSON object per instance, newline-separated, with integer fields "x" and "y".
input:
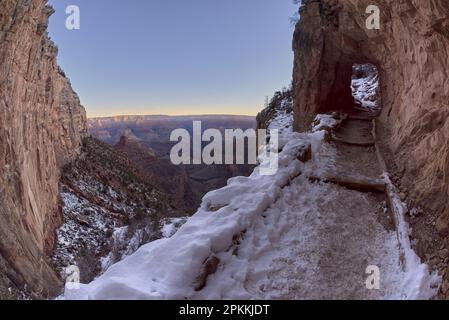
{"x": 355, "y": 88}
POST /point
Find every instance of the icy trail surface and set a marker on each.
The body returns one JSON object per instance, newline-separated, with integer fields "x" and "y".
{"x": 315, "y": 242}
{"x": 319, "y": 240}
{"x": 287, "y": 236}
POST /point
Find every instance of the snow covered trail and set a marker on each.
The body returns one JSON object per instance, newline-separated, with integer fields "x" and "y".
{"x": 318, "y": 239}
{"x": 286, "y": 236}
{"x": 315, "y": 242}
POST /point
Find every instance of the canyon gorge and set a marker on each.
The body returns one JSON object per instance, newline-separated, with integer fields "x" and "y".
{"x": 63, "y": 194}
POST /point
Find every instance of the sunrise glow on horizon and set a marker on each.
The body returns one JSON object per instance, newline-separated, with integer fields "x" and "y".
{"x": 171, "y": 111}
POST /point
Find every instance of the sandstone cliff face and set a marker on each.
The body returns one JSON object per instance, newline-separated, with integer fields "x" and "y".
{"x": 411, "y": 52}
{"x": 41, "y": 127}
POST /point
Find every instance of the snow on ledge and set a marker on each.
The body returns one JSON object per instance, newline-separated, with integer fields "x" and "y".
{"x": 168, "y": 268}
{"x": 419, "y": 283}
{"x": 327, "y": 121}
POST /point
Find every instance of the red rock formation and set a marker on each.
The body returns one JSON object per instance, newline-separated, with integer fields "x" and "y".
{"x": 41, "y": 127}
{"x": 411, "y": 53}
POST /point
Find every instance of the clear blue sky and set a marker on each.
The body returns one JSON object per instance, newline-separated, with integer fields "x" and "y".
{"x": 175, "y": 56}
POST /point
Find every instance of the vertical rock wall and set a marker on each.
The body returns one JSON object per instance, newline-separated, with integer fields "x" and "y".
{"x": 41, "y": 127}
{"x": 411, "y": 52}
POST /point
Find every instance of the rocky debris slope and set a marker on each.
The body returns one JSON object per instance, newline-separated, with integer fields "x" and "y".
{"x": 173, "y": 180}
{"x": 110, "y": 209}
{"x": 41, "y": 127}
{"x": 410, "y": 53}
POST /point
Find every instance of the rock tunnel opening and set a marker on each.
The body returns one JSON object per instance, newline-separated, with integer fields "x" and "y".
{"x": 363, "y": 105}
{"x": 354, "y": 88}
{"x": 365, "y": 89}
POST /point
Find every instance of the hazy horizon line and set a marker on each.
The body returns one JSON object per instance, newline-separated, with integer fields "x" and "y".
{"x": 172, "y": 116}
